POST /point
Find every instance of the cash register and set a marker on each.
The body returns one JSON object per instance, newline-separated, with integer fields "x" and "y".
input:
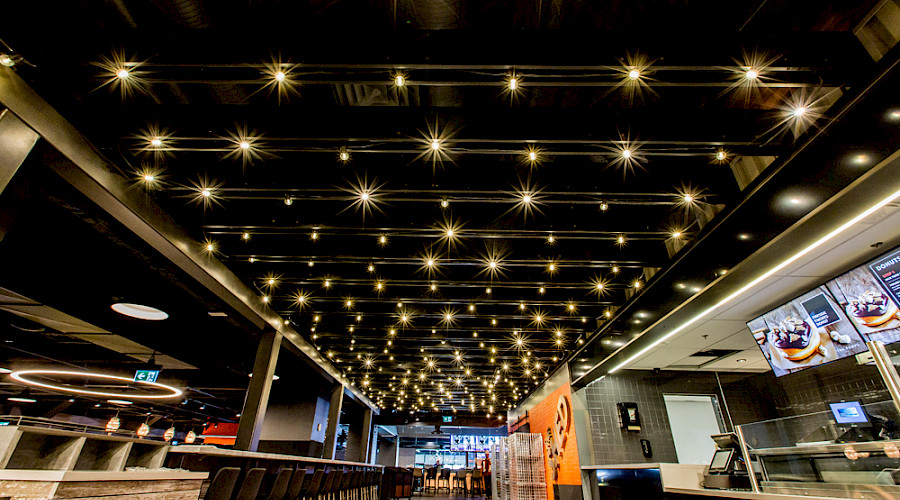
{"x": 727, "y": 470}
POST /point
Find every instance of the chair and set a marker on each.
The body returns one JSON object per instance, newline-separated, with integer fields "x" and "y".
{"x": 477, "y": 481}
{"x": 445, "y": 477}
{"x": 295, "y": 488}
{"x": 418, "y": 477}
{"x": 280, "y": 486}
{"x": 222, "y": 485}
{"x": 250, "y": 486}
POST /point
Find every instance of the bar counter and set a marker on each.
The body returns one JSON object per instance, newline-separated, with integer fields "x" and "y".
{"x": 146, "y": 484}
{"x": 190, "y": 453}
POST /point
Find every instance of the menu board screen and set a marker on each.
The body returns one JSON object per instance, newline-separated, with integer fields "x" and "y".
{"x": 472, "y": 443}
{"x": 869, "y": 294}
{"x": 808, "y": 331}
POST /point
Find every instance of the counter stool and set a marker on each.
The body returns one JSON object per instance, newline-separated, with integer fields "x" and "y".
{"x": 459, "y": 480}
{"x": 250, "y": 487}
{"x": 355, "y": 484}
{"x": 222, "y": 485}
{"x": 280, "y": 486}
{"x": 295, "y": 488}
{"x": 327, "y": 489}
{"x": 477, "y": 481}
{"x": 418, "y": 477}
{"x": 373, "y": 481}
{"x": 311, "y": 488}
{"x": 344, "y": 492}
{"x": 431, "y": 475}
{"x": 445, "y": 477}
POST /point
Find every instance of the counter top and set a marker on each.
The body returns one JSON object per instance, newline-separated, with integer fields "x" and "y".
{"x": 98, "y": 475}
{"x": 222, "y": 452}
{"x": 623, "y": 466}
{"x": 747, "y": 495}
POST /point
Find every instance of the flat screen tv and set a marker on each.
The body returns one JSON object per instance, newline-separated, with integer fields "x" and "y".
{"x": 809, "y": 331}
{"x": 869, "y": 295}
{"x": 850, "y": 412}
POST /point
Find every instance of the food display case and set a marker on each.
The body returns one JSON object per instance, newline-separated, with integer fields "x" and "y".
{"x": 844, "y": 453}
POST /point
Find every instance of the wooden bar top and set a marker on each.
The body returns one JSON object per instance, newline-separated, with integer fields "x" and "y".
{"x": 222, "y": 452}
{"x": 99, "y": 475}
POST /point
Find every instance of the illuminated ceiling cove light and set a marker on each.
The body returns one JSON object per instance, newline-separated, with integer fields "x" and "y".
{"x": 759, "y": 279}
{"x": 27, "y": 377}
{"x": 139, "y": 311}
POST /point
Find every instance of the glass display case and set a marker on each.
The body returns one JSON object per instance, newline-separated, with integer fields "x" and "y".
{"x": 852, "y": 451}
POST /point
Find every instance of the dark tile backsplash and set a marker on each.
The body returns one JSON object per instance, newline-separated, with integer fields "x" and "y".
{"x": 747, "y": 397}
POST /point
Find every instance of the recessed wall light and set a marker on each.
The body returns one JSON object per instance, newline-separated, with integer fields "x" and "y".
{"x": 139, "y": 311}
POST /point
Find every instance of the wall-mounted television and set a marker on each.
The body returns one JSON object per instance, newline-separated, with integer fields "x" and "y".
{"x": 809, "y": 331}
{"x": 472, "y": 443}
{"x": 869, "y": 294}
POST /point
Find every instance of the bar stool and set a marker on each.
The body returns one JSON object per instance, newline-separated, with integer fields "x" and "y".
{"x": 477, "y": 481}
{"x": 295, "y": 488}
{"x": 313, "y": 487}
{"x": 250, "y": 487}
{"x": 355, "y": 484}
{"x": 344, "y": 491}
{"x": 445, "y": 477}
{"x": 431, "y": 475}
{"x": 222, "y": 485}
{"x": 459, "y": 477}
{"x": 325, "y": 492}
{"x": 418, "y": 477}
{"x": 374, "y": 482}
{"x": 280, "y": 486}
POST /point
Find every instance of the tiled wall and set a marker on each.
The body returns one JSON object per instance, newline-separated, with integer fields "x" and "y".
{"x": 749, "y": 398}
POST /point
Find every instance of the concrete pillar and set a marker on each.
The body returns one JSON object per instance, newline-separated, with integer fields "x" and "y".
{"x": 334, "y": 419}
{"x": 365, "y": 437}
{"x": 257, "y": 399}
{"x": 16, "y": 141}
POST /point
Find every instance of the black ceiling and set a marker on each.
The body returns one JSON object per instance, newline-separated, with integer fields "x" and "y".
{"x": 201, "y": 79}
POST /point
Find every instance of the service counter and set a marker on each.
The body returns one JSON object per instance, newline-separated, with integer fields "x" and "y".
{"x": 653, "y": 481}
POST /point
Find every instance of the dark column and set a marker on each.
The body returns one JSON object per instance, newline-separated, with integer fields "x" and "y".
{"x": 365, "y": 437}
{"x": 334, "y": 418}
{"x": 257, "y": 398}
{"x": 16, "y": 141}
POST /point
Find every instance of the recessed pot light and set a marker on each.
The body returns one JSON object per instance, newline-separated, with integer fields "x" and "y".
{"x": 742, "y": 360}
{"x": 139, "y": 311}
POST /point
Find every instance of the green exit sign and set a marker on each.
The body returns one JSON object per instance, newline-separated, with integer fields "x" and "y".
{"x": 448, "y": 419}
{"x": 146, "y": 375}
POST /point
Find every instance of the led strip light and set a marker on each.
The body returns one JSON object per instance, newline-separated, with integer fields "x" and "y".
{"x": 821, "y": 241}
{"x": 20, "y": 375}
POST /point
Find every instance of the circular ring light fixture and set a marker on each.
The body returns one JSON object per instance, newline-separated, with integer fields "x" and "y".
{"x": 139, "y": 311}
{"x": 23, "y": 376}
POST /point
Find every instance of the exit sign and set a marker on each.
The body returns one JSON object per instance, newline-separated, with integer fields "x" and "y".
{"x": 448, "y": 419}
{"x": 146, "y": 375}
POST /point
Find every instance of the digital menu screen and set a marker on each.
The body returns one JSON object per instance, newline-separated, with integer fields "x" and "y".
{"x": 808, "y": 331}
{"x": 869, "y": 295}
{"x": 472, "y": 443}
